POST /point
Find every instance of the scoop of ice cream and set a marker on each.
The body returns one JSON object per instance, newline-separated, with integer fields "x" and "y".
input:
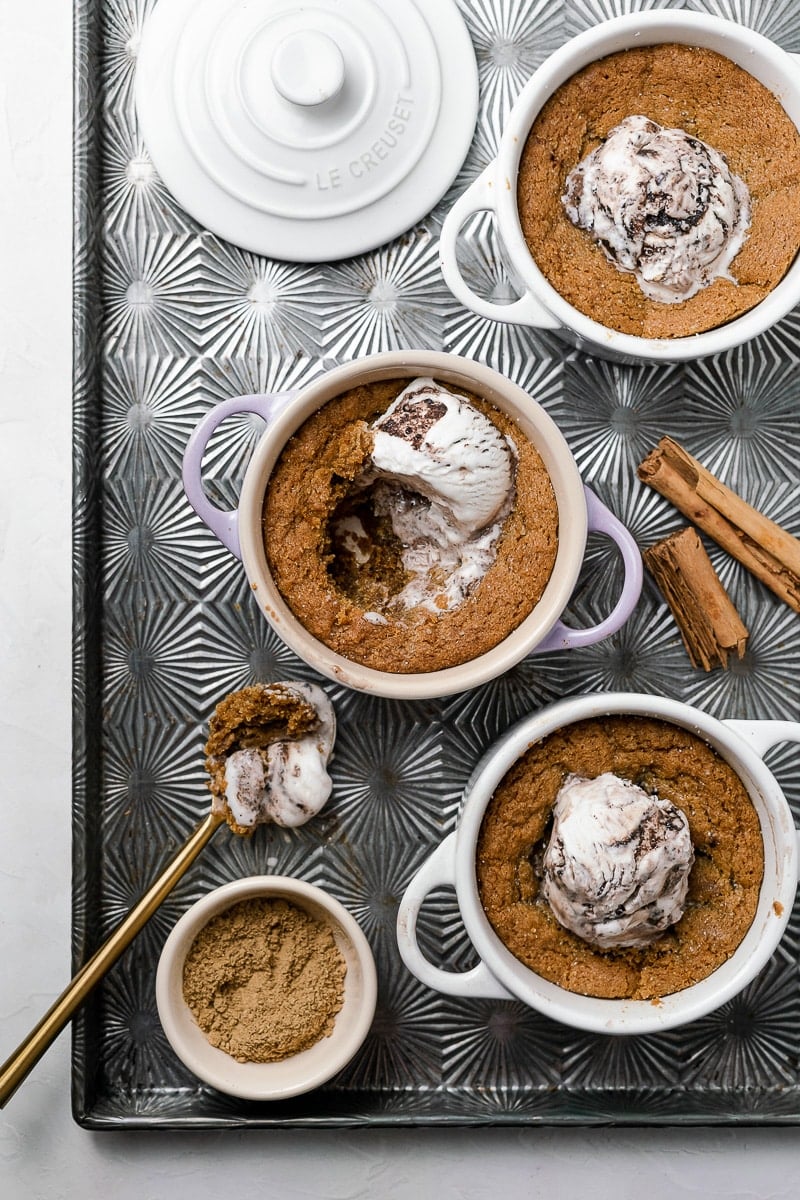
{"x": 267, "y": 754}
{"x": 437, "y": 444}
{"x": 662, "y": 205}
{"x": 616, "y": 868}
{"x": 442, "y": 474}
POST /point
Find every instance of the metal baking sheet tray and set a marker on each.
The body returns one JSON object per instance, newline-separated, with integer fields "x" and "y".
{"x": 169, "y": 320}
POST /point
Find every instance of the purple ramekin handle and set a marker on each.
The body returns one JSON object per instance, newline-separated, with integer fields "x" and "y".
{"x": 223, "y": 522}
{"x": 602, "y": 520}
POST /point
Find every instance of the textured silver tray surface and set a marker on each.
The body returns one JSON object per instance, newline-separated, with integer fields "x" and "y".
{"x": 170, "y": 320}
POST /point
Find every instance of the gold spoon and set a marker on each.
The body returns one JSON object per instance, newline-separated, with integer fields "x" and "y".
{"x": 28, "y": 1053}
{"x": 238, "y": 711}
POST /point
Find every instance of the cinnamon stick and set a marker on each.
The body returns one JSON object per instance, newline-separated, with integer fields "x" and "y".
{"x": 761, "y": 545}
{"x": 704, "y": 613}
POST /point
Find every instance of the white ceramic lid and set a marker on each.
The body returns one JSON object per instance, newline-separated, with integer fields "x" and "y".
{"x": 306, "y": 131}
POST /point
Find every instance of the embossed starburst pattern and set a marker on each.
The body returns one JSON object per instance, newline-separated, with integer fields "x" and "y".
{"x": 151, "y": 408}
{"x": 136, "y": 1047}
{"x": 751, "y": 1041}
{"x": 741, "y": 416}
{"x": 612, "y": 416}
{"x": 490, "y": 1045}
{"x": 403, "y": 1048}
{"x": 173, "y": 321}
{"x": 152, "y": 661}
{"x": 122, "y": 32}
{"x": 133, "y": 193}
{"x": 240, "y": 648}
{"x": 397, "y": 779}
{"x": 594, "y": 1061}
{"x": 151, "y": 298}
{"x": 582, "y": 14}
{"x": 155, "y": 782}
{"x": 776, "y": 21}
{"x": 391, "y": 298}
{"x": 511, "y": 40}
{"x": 258, "y": 309}
{"x": 152, "y": 543}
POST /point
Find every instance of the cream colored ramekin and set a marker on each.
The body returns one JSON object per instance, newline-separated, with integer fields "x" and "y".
{"x": 301, "y": 1072}
{"x": 579, "y": 512}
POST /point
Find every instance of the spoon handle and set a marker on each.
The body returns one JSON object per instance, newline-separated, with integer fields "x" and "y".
{"x": 28, "y": 1053}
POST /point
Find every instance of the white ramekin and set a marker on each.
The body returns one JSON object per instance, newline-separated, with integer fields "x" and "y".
{"x": 500, "y": 975}
{"x": 579, "y": 512}
{"x": 540, "y": 306}
{"x": 301, "y": 1072}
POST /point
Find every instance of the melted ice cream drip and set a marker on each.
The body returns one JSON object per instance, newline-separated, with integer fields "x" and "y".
{"x": 616, "y": 868}
{"x": 442, "y": 474}
{"x": 662, "y": 205}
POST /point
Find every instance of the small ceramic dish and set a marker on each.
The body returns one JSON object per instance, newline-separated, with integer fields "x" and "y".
{"x": 303, "y": 1071}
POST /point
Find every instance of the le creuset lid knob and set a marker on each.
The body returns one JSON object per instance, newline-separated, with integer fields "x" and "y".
{"x": 306, "y": 131}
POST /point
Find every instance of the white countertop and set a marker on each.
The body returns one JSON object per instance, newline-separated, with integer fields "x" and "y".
{"x": 43, "y": 1154}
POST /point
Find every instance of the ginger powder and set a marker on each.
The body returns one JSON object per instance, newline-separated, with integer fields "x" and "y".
{"x": 264, "y": 980}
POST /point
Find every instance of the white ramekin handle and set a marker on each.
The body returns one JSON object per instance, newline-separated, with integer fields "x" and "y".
{"x": 763, "y": 735}
{"x": 439, "y": 871}
{"x": 480, "y": 196}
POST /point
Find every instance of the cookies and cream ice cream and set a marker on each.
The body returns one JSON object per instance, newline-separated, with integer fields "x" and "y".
{"x": 436, "y": 443}
{"x": 267, "y": 754}
{"x": 616, "y": 867}
{"x": 661, "y": 204}
{"x": 442, "y": 475}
